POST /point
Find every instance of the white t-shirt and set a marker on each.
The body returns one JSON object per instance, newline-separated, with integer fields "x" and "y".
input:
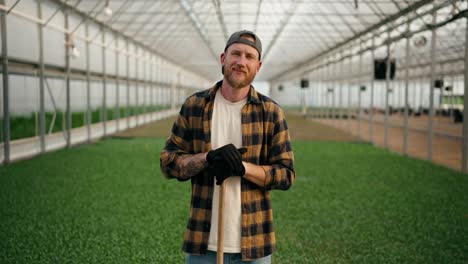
{"x": 226, "y": 127}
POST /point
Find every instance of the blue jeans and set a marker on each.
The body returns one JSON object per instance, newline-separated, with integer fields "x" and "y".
{"x": 210, "y": 258}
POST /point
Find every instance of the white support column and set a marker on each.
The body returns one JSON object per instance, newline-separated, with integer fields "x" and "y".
{"x": 6, "y": 87}
{"x": 88, "y": 87}
{"x": 350, "y": 85}
{"x": 387, "y": 91}
{"x": 371, "y": 107}
{"x": 341, "y": 84}
{"x": 68, "y": 47}
{"x": 104, "y": 82}
{"x": 432, "y": 88}
{"x": 406, "y": 105}
{"x": 127, "y": 110}
{"x": 117, "y": 83}
{"x": 360, "y": 84}
{"x": 42, "y": 122}
{"x": 465, "y": 109}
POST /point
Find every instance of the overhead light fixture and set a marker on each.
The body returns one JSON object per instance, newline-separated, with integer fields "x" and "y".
{"x": 107, "y": 9}
{"x": 70, "y": 44}
{"x": 420, "y": 41}
{"x": 75, "y": 52}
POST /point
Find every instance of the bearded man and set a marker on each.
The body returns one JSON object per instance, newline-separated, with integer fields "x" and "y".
{"x": 231, "y": 134}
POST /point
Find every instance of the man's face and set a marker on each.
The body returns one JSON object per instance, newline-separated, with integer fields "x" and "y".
{"x": 241, "y": 64}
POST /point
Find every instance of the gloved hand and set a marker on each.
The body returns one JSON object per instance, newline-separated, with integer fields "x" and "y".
{"x": 228, "y": 153}
{"x": 225, "y": 162}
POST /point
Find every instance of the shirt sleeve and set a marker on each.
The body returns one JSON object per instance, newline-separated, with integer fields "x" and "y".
{"x": 280, "y": 174}
{"x": 176, "y": 145}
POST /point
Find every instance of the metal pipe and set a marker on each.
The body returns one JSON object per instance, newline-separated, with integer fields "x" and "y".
{"x": 88, "y": 87}
{"x": 104, "y": 83}
{"x": 42, "y": 123}
{"x": 320, "y": 91}
{"x": 431, "y": 92}
{"x": 317, "y": 92}
{"x": 117, "y": 84}
{"x": 340, "y": 95}
{"x": 371, "y": 107}
{"x": 153, "y": 90}
{"x": 465, "y": 109}
{"x": 6, "y": 87}
{"x": 136, "y": 87}
{"x": 127, "y": 110}
{"x": 333, "y": 109}
{"x": 68, "y": 45}
{"x": 405, "y": 120}
{"x": 387, "y": 90}
{"x": 350, "y": 80}
{"x": 145, "y": 90}
{"x": 359, "y": 92}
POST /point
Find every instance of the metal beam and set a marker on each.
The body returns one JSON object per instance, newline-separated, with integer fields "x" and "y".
{"x": 348, "y": 105}
{"x": 465, "y": 109}
{"x": 146, "y": 6}
{"x": 42, "y": 123}
{"x": 104, "y": 82}
{"x": 359, "y": 92}
{"x": 117, "y": 84}
{"x": 198, "y": 26}
{"x": 385, "y": 21}
{"x": 127, "y": 62}
{"x": 110, "y": 29}
{"x": 219, "y": 14}
{"x": 88, "y": 86}
{"x": 405, "y": 120}
{"x": 387, "y": 91}
{"x": 68, "y": 44}
{"x": 281, "y": 28}
{"x": 432, "y": 88}
{"x": 371, "y": 107}
{"x": 257, "y": 15}
{"x": 143, "y": 25}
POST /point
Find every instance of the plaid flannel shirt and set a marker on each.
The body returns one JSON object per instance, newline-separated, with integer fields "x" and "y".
{"x": 266, "y": 137}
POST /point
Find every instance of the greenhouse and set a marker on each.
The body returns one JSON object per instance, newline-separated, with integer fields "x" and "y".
{"x": 374, "y": 93}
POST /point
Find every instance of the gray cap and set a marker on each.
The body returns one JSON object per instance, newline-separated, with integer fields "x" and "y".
{"x": 237, "y": 38}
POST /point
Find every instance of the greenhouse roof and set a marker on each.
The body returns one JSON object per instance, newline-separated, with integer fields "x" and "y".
{"x": 192, "y": 33}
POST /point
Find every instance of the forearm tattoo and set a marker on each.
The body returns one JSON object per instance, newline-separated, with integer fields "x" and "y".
{"x": 191, "y": 165}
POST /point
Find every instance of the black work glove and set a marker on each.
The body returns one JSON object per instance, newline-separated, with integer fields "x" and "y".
{"x": 220, "y": 169}
{"x": 225, "y": 162}
{"x": 228, "y": 153}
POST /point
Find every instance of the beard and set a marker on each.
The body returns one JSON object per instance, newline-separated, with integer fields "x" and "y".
{"x": 239, "y": 81}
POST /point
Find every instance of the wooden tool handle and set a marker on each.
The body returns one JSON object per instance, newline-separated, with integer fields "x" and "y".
{"x": 220, "y": 252}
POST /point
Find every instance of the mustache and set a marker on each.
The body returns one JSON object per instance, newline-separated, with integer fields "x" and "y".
{"x": 239, "y": 68}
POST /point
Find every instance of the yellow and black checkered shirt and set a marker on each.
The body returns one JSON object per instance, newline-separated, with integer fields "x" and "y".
{"x": 266, "y": 137}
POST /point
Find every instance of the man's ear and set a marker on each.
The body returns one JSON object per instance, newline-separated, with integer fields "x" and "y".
{"x": 222, "y": 57}
{"x": 259, "y": 66}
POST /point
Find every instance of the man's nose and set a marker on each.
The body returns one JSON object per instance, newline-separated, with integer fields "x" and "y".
{"x": 242, "y": 60}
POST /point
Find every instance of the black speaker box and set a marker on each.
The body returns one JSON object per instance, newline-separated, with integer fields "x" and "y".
{"x": 304, "y": 83}
{"x": 380, "y": 69}
{"x": 439, "y": 83}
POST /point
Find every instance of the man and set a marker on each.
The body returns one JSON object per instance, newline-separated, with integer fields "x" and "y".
{"x": 231, "y": 133}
